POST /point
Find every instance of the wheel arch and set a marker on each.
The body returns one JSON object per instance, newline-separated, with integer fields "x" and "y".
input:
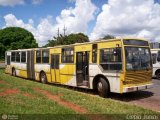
{"x": 42, "y": 71}
{"x": 157, "y": 71}
{"x": 96, "y": 79}
{"x": 13, "y": 68}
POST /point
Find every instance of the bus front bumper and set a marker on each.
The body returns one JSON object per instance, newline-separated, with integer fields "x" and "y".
{"x": 136, "y": 88}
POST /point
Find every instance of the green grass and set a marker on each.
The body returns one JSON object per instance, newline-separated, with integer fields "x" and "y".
{"x": 40, "y": 104}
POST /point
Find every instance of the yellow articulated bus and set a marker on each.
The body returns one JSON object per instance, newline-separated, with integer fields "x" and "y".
{"x": 116, "y": 65}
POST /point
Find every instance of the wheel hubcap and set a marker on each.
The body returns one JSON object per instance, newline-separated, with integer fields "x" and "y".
{"x": 14, "y": 73}
{"x": 99, "y": 86}
{"x": 42, "y": 79}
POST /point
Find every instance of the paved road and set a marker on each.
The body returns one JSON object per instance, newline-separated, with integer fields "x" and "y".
{"x": 149, "y": 98}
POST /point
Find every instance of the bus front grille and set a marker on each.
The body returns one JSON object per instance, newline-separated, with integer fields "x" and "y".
{"x": 137, "y": 78}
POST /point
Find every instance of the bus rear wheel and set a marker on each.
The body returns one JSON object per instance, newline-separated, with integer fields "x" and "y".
{"x": 103, "y": 88}
{"x": 158, "y": 75}
{"x": 43, "y": 78}
{"x": 13, "y": 72}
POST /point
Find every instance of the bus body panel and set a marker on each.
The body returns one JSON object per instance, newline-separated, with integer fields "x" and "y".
{"x": 42, "y": 68}
{"x": 67, "y": 73}
{"x": 21, "y": 69}
{"x": 57, "y": 71}
{"x": 156, "y": 64}
{"x": 112, "y": 77}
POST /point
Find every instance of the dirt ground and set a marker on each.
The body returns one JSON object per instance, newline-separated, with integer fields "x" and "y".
{"x": 9, "y": 91}
{"x": 57, "y": 98}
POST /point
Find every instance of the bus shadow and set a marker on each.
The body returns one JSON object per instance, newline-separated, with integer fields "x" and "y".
{"x": 128, "y": 97}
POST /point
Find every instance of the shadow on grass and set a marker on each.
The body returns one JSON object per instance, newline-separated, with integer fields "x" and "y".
{"x": 126, "y": 97}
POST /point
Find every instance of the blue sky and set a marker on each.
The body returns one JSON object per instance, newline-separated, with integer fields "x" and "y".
{"x": 42, "y": 9}
{"x": 95, "y": 18}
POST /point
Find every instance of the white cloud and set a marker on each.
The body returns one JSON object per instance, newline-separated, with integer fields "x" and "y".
{"x": 36, "y": 2}
{"x": 11, "y": 2}
{"x": 42, "y": 32}
{"x": 11, "y": 20}
{"x": 17, "y": 2}
{"x": 75, "y": 19}
{"x": 140, "y": 18}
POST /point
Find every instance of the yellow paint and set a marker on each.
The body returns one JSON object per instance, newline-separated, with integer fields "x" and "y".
{"x": 48, "y": 75}
{"x": 55, "y": 75}
{"x": 122, "y": 78}
{"x": 67, "y": 72}
{"x": 68, "y": 69}
{"x": 64, "y": 79}
{"x": 80, "y": 48}
{"x": 139, "y": 84}
{"x": 55, "y": 50}
{"x": 109, "y": 44}
{"x": 23, "y": 73}
{"x": 37, "y": 76}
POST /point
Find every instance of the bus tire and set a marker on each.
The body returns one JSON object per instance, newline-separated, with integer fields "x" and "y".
{"x": 43, "y": 78}
{"x": 103, "y": 88}
{"x": 158, "y": 75}
{"x": 13, "y": 72}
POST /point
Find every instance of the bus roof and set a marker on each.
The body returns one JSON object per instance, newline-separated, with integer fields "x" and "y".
{"x": 76, "y": 44}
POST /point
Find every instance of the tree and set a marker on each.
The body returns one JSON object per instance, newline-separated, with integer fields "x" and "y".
{"x": 16, "y": 38}
{"x": 66, "y": 40}
{"x": 50, "y": 43}
{"x": 108, "y": 37}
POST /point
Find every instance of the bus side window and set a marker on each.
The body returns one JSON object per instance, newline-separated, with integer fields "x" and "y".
{"x": 110, "y": 61}
{"x": 17, "y": 56}
{"x": 38, "y": 56}
{"x": 154, "y": 56}
{"x": 94, "y": 53}
{"x": 68, "y": 55}
{"x": 158, "y": 57}
{"x": 13, "y": 57}
{"x": 45, "y": 56}
{"x": 23, "y": 57}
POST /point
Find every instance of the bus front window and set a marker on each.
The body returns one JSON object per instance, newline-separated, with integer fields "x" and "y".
{"x": 137, "y": 58}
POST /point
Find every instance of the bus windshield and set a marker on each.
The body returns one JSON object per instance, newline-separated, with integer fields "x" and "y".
{"x": 137, "y": 58}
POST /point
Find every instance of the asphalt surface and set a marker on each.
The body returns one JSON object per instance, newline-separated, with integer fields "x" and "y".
{"x": 149, "y": 98}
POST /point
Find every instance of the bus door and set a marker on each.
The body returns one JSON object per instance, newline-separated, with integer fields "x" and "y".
{"x": 55, "y": 68}
{"x": 30, "y": 65}
{"x": 82, "y": 68}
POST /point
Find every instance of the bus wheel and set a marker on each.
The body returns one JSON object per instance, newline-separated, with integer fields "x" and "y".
{"x": 43, "y": 78}
{"x": 158, "y": 75}
{"x": 13, "y": 72}
{"x": 103, "y": 88}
